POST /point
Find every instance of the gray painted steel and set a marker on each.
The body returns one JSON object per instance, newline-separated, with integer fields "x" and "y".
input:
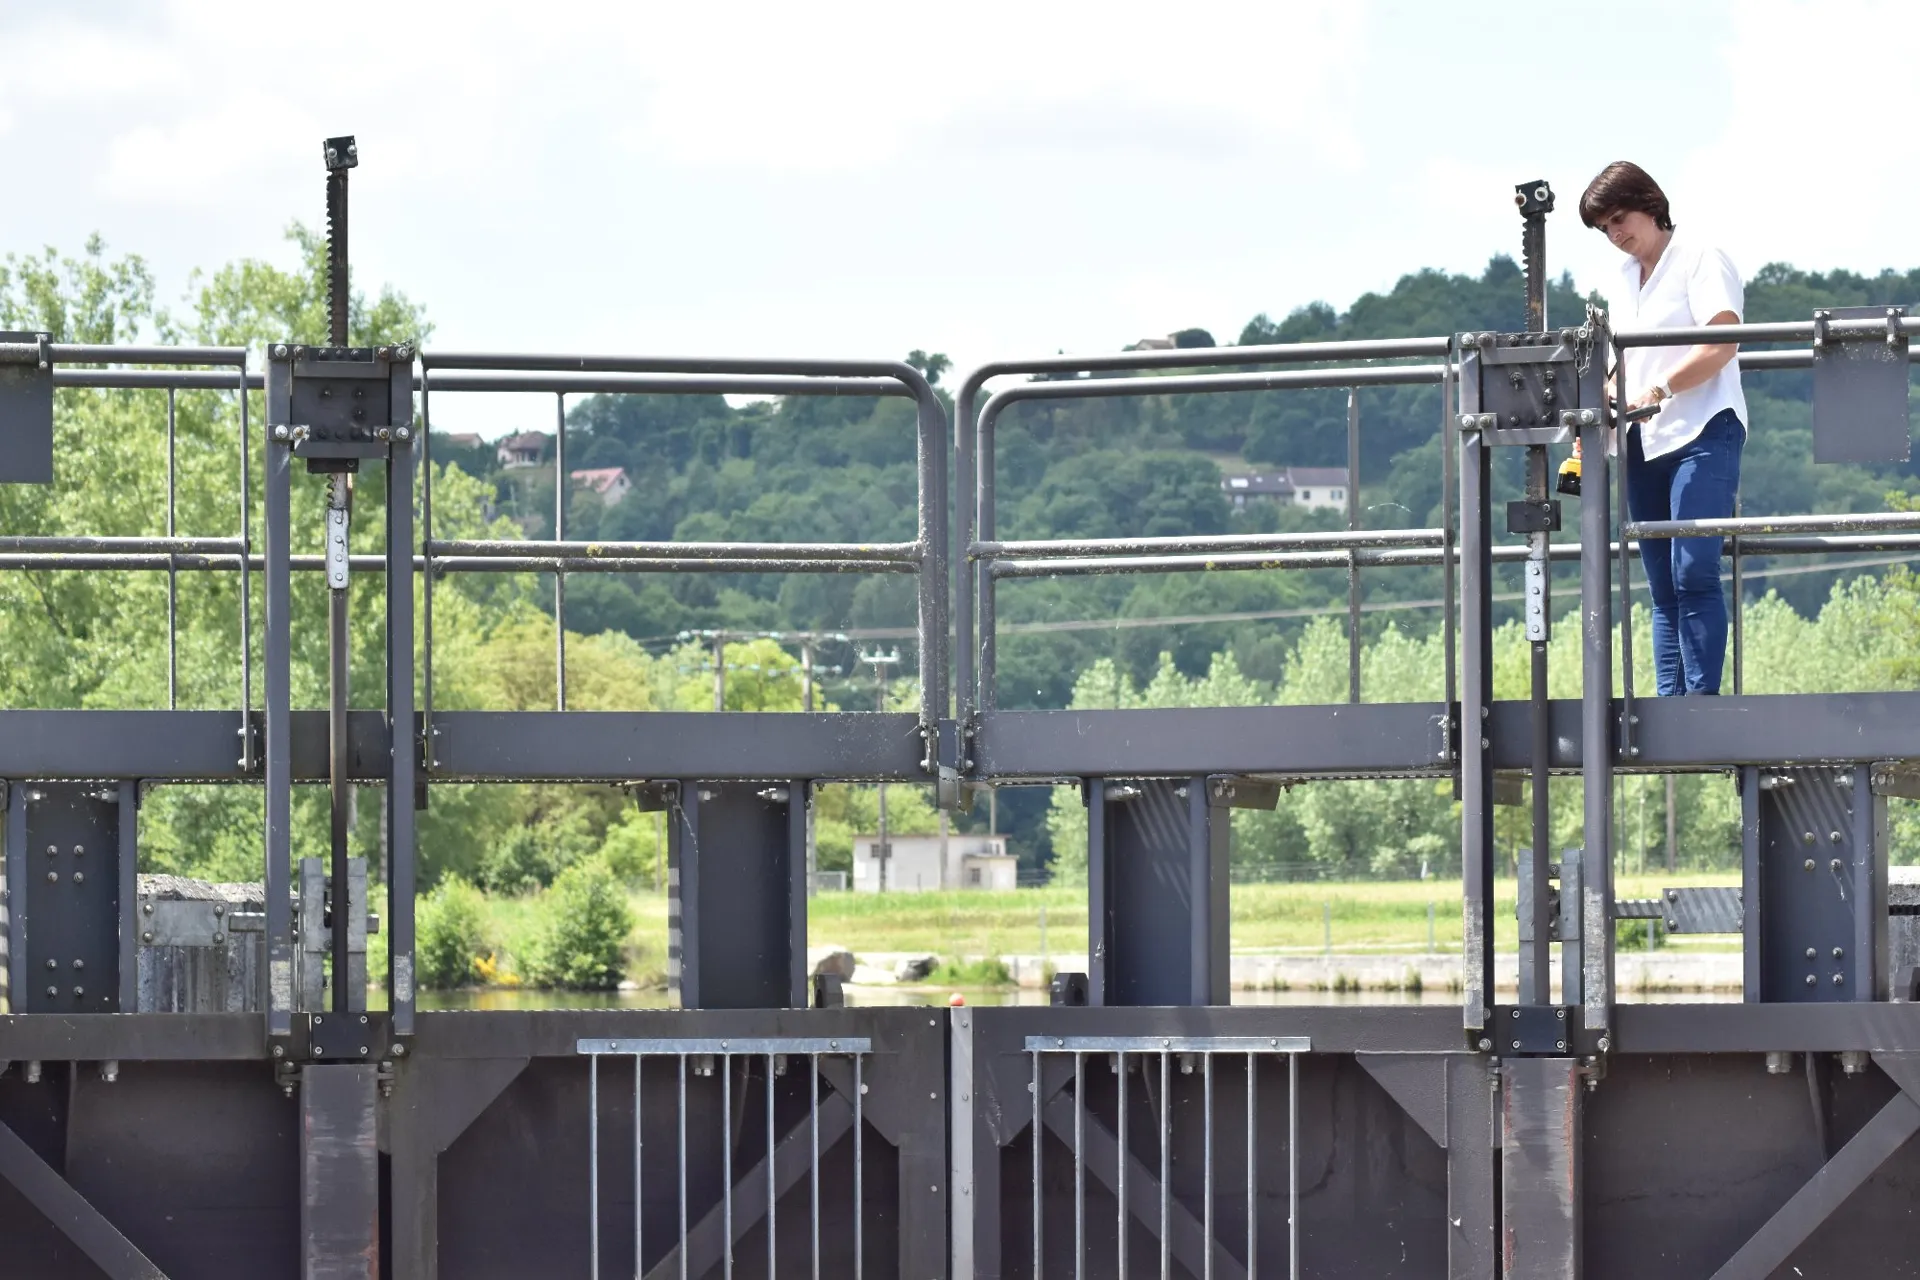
{"x": 1157, "y": 892}
{"x": 26, "y": 413}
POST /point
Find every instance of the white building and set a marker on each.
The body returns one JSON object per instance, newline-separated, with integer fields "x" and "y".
{"x": 1319, "y": 488}
{"x": 609, "y": 483}
{"x": 921, "y": 864}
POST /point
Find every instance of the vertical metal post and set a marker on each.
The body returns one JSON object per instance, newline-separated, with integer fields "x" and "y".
{"x": 339, "y": 780}
{"x": 279, "y": 747}
{"x": 1120, "y": 1165}
{"x": 1476, "y": 762}
{"x": 1449, "y": 605}
{"x": 965, "y": 572}
{"x": 1595, "y": 887}
{"x": 1353, "y": 561}
{"x": 593, "y": 1165}
{"x": 1206, "y": 1161}
{"x": 1541, "y": 1167}
{"x": 639, "y": 1170}
{"x": 859, "y": 1173}
{"x": 1039, "y": 1133}
{"x": 18, "y": 917}
{"x": 1293, "y": 1166}
{"x": 427, "y": 761}
{"x": 1535, "y": 943}
{"x": 560, "y": 486}
{"x": 173, "y": 653}
{"x": 404, "y": 752}
{"x": 773, "y": 1233}
{"x": 726, "y": 1161}
{"x": 246, "y": 580}
{"x": 682, "y": 1059}
{"x": 1253, "y": 1169}
{"x": 989, "y": 653}
{"x": 1079, "y": 1166}
{"x": 1628, "y": 748}
{"x": 1166, "y": 1166}
{"x": 1739, "y": 626}
{"x": 813, "y": 1129}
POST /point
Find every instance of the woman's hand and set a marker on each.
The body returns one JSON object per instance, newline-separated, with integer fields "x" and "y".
{"x": 1646, "y": 399}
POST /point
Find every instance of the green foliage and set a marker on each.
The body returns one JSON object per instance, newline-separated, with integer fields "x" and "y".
{"x": 450, "y": 935}
{"x": 988, "y": 971}
{"x": 634, "y": 849}
{"x": 581, "y": 945}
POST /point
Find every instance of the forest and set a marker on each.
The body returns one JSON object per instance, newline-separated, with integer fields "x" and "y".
{"x": 706, "y": 468}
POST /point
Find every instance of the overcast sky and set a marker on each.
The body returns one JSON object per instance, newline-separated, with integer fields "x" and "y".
{"x": 978, "y": 178}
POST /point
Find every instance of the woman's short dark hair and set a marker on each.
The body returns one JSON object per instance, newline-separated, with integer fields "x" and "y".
{"x": 1625, "y": 185}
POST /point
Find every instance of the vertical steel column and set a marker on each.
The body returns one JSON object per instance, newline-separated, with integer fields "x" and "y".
{"x": 1353, "y": 561}
{"x": 1473, "y": 1215}
{"x": 1536, "y": 950}
{"x": 1540, "y": 1168}
{"x": 560, "y": 484}
{"x": 339, "y": 1173}
{"x": 1594, "y": 888}
{"x": 402, "y": 758}
{"x": 15, "y": 900}
{"x": 1628, "y": 720}
{"x": 737, "y": 919}
{"x": 339, "y": 777}
{"x": 1476, "y": 761}
{"x": 279, "y": 747}
{"x": 127, "y": 875}
{"x": 246, "y": 579}
{"x": 1449, "y": 465}
{"x": 173, "y": 583}
{"x": 1158, "y": 918}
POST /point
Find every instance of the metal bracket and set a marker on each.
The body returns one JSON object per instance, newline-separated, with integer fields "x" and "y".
{"x": 1239, "y": 792}
{"x": 1524, "y": 515}
{"x": 344, "y": 1037}
{"x": 948, "y": 762}
{"x": 1535, "y": 1031}
{"x": 1899, "y": 778}
{"x": 1700, "y": 909}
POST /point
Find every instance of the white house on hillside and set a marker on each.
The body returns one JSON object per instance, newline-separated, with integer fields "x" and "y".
{"x": 609, "y": 483}
{"x": 1315, "y": 487}
{"x": 522, "y": 449}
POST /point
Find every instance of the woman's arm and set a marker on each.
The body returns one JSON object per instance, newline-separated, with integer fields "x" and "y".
{"x": 1699, "y": 367}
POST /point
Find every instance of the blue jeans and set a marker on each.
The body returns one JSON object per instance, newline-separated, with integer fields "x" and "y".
{"x": 1695, "y": 482}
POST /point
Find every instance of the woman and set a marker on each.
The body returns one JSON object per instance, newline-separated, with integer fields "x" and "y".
{"x": 1684, "y": 463}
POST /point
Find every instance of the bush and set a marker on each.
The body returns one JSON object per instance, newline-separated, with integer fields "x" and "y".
{"x": 630, "y": 850}
{"x": 450, "y": 935}
{"x": 581, "y": 945}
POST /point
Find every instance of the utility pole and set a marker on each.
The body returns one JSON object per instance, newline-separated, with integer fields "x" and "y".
{"x": 880, "y": 662}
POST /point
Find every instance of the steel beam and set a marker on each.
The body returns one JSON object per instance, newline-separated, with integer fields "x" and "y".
{"x": 1158, "y": 918}
{"x": 1770, "y": 1247}
{"x": 736, "y": 924}
{"x": 339, "y": 1173}
{"x": 1540, "y": 1168}
{"x": 75, "y": 1216}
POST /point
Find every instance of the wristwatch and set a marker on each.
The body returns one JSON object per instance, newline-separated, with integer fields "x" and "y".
{"x": 1666, "y": 392}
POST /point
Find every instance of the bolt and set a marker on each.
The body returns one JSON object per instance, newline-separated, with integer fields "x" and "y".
{"x": 318, "y": 1052}
{"x": 1838, "y": 953}
{"x": 1811, "y": 953}
{"x": 80, "y": 992}
{"x": 1559, "y": 1044}
{"x": 279, "y": 353}
{"x": 79, "y": 876}
{"x": 1811, "y": 979}
{"x": 52, "y": 963}
{"x": 1778, "y": 1063}
{"x": 279, "y": 433}
{"x": 1808, "y": 837}
{"x": 1606, "y": 1043}
{"x": 1516, "y": 1044}
{"x": 219, "y": 936}
{"x": 1809, "y": 864}
{"x": 1838, "y": 979}
{"x": 1834, "y": 836}
{"x": 53, "y": 851}
{"x": 146, "y": 908}
{"x": 52, "y": 992}
{"x": 1485, "y": 1044}
{"x": 1834, "y": 866}
{"x": 1671, "y": 924}
{"x": 1673, "y": 895}
{"x": 147, "y": 936}
{"x": 1560, "y": 1014}
{"x": 399, "y": 1051}
{"x": 1516, "y": 1015}
{"x": 53, "y": 877}
{"x": 279, "y": 1051}
{"x": 403, "y": 433}
{"x": 79, "y": 964}
{"x": 363, "y": 1051}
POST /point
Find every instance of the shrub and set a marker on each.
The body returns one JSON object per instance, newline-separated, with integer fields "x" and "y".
{"x": 630, "y": 849}
{"x": 450, "y": 935}
{"x": 581, "y": 943}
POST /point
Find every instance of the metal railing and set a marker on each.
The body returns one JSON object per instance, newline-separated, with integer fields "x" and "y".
{"x": 698, "y": 1244}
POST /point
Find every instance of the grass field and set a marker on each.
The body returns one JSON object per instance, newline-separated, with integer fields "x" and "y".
{"x": 1351, "y": 916}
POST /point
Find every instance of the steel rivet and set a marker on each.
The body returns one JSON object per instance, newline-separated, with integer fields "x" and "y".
{"x": 53, "y": 877}
{"x": 1808, "y": 837}
{"x": 78, "y": 992}
{"x": 79, "y": 964}
{"x": 1811, "y": 953}
{"x": 1811, "y": 979}
{"x": 147, "y": 908}
{"x": 52, "y": 991}
{"x": 79, "y": 876}
{"x": 78, "y": 850}
{"x": 1837, "y": 953}
{"x": 1838, "y": 979}
{"x": 1809, "y": 864}
{"x": 1832, "y": 835}
{"x": 1673, "y": 895}
{"x": 147, "y": 936}
{"x": 52, "y": 851}
{"x": 1834, "y": 865}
